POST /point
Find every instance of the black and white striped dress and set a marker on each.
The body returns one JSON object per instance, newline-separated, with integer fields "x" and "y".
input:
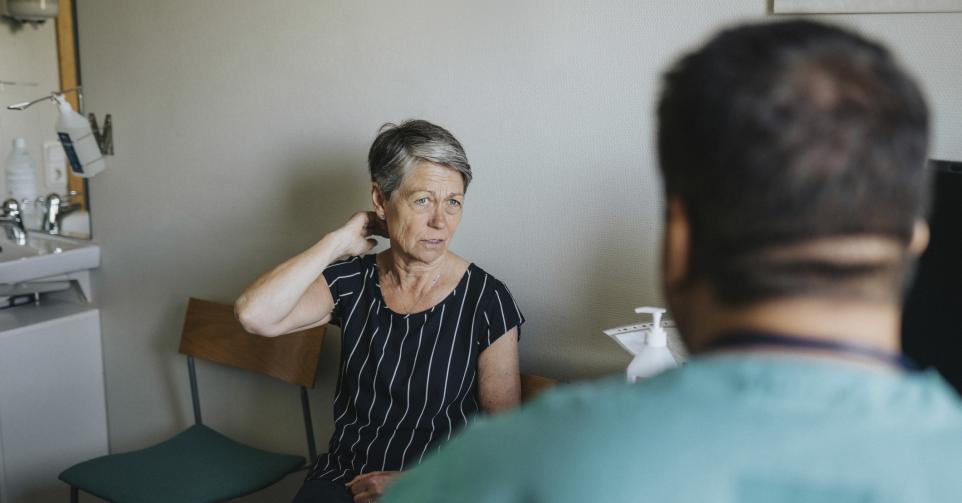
{"x": 406, "y": 383}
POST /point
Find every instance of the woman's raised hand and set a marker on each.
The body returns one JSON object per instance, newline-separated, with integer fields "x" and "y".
{"x": 355, "y": 236}
{"x": 294, "y": 295}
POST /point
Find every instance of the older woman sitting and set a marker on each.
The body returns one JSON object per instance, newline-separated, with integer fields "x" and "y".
{"x": 428, "y": 338}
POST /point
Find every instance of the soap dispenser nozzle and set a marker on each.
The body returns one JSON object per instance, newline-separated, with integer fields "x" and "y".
{"x": 657, "y": 336}
{"x": 55, "y": 96}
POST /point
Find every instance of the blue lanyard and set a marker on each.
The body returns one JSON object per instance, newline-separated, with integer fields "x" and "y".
{"x": 753, "y": 339}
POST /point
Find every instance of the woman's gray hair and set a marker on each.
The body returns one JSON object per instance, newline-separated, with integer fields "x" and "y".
{"x": 397, "y": 149}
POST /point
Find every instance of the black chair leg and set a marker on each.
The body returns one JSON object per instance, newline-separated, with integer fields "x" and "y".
{"x": 74, "y": 495}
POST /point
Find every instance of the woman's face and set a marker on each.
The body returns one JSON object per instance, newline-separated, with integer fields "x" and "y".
{"x": 424, "y": 211}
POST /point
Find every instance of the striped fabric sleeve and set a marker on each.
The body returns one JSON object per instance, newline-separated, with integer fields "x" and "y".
{"x": 343, "y": 278}
{"x": 500, "y": 315}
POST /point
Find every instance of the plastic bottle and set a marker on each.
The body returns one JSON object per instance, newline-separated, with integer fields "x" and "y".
{"x": 79, "y": 143}
{"x": 654, "y": 357}
{"x": 21, "y": 176}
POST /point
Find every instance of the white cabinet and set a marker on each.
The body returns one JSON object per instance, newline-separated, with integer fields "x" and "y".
{"x": 52, "y": 407}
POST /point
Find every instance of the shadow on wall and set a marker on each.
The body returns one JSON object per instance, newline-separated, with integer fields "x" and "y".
{"x": 621, "y": 275}
{"x": 13, "y": 26}
{"x": 313, "y": 196}
{"x": 322, "y": 199}
{"x": 165, "y": 342}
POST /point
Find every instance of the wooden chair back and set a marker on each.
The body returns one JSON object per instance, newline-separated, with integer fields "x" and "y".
{"x": 533, "y": 385}
{"x": 213, "y": 333}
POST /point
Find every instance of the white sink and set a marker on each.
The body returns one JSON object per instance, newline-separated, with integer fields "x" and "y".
{"x": 44, "y": 256}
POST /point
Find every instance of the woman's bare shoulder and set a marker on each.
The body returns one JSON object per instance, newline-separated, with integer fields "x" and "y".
{"x": 458, "y": 264}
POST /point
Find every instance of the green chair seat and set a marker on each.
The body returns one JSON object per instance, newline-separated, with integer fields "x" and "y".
{"x": 197, "y": 465}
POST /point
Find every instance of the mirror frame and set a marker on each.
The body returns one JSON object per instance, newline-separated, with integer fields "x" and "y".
{"x": 67, "y": 57}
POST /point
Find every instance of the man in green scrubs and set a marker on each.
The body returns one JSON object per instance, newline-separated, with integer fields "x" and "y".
{"x": 793, "y": 156}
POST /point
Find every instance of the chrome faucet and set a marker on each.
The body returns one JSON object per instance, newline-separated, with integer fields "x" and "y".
{"x": 11, "y": 219}
{"x": 55, "y": 208}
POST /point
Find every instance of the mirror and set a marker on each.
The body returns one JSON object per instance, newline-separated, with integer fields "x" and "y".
{"x": 35, "y": 59}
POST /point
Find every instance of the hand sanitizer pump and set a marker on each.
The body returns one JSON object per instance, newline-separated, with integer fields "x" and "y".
{"x": 653, "y": 357}
{"x": 78, "y": 141}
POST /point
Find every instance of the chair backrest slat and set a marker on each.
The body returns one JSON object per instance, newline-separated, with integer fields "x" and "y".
{"x": 211, "y": 332}
{"x": 533, "y": 385}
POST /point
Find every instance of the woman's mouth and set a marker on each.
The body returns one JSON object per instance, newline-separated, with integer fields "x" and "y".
{"x": 432, "y": 242}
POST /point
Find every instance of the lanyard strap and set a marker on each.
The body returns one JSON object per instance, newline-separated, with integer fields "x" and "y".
{"x": 750, "y": 339}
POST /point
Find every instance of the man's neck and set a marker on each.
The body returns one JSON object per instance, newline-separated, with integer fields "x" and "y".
{"x": 874, "y": 325}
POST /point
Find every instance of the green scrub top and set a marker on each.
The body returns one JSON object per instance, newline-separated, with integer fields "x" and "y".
{"x": 731, "y": 427}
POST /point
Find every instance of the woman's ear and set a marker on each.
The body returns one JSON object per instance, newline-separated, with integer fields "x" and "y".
{"x": 378, "y": 199}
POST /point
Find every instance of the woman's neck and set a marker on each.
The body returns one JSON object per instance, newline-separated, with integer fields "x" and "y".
{"x": 408, "y": 273}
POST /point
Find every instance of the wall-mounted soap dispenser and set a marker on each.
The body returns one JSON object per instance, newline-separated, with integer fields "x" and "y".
{"x": 30, "y": 10}
{"x": 78, "y": 140}
{"x": 83, "y": 143}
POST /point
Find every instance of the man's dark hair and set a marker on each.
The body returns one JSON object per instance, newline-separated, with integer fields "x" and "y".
{"x": 777, "y": 135}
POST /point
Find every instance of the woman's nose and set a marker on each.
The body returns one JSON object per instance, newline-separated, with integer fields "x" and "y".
{"x": 437, "y": 220}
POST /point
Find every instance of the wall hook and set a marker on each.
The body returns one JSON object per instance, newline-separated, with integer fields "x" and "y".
{"x": 105, "y": 138}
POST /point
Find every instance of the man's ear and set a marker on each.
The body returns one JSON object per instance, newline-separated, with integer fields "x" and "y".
{"x": 378, "y": 199}
{"x": 920, "y": 238}
{"x": 676, "y": 249}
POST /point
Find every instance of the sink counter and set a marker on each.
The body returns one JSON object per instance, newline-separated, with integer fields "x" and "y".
{"x": 52, "y": 397}
{"x": 45, "y": 256}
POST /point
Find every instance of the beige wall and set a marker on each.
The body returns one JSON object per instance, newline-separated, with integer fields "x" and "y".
{"x": 241, "y": 130}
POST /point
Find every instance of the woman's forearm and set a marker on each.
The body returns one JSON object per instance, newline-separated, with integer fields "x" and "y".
{"x": 294, "y": 294}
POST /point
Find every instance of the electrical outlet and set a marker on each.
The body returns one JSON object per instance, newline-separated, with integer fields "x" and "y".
{"x": 55, "y": 166}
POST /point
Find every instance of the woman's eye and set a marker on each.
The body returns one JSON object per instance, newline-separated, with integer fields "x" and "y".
{"x": 454, "y": 203}
{"x": 421, "y": 202}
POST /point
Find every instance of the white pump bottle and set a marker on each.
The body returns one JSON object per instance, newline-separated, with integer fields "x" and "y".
{"x": 21, "y": 175}
{"x": 79, "y": 143}
{"x": 654, "y": 357}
